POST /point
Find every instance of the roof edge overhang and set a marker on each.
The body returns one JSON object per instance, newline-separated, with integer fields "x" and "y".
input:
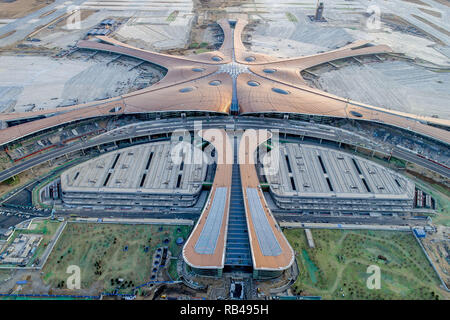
{"x": 185, "y": 258}
{"x": 108, "y": 115}
{"x": 259, "y": 113}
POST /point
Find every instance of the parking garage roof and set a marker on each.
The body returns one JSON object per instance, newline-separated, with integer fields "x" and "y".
{"x": 147, "y": 168}
{"x": 313, "y": 171}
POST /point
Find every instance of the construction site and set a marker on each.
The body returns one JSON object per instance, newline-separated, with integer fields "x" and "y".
{"x": 353, "y": 104}
{"x": 19, "y": 252}
{"x": 135, "y": 176}
{"x": 190, "y": 28}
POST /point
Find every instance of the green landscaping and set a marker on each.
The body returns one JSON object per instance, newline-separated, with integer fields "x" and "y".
{"x": 172, "y": 17}
{"x": 202, "y": 50}
{"x": 194, "y": 45}
{"x": 337, "y": 267}
{"x": 173, "y": 270}
{"x": 12, "y": 181}
{"x": 399, "y": 163}
{"x": 106, "y": 252}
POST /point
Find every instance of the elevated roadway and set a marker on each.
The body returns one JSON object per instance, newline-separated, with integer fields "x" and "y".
{"x": 166, "y": 126}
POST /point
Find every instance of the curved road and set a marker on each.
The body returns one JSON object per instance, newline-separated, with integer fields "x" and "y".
{"x": 168, "y": 126}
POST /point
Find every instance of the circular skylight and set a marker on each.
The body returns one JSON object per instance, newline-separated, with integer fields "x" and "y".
{"x": 187, "y": 89}
{"x": 356, "y": 114}
{"x": 252, "y": 83}
{"x": 269, "y": 70}
{"x": 280, "y": 91}
{"x": 215, "y": 83}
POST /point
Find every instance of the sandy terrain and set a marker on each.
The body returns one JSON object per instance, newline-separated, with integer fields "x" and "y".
{"x": 20, "y": 8}
{"x": 156, "y": 33}
{"x": 31, "y": 83}
{"x": 398, "y": 85}
{"x": 437, "y": 246}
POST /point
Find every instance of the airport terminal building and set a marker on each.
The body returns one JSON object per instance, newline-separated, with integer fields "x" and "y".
{"x": 313, "y": 179}
{"x": 236, "y": 230}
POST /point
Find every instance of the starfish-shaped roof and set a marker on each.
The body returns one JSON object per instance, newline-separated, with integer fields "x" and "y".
{"x": 230, "y": 79}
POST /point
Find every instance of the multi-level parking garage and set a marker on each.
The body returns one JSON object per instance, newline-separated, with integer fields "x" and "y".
{"x": 140, "y": 176}
{"x": 236, "y": 230}
{"x": 314, "y": 179}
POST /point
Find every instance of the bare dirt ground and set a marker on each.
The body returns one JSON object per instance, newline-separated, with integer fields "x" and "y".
{"x": 438, "y": 248}
{"x": 431, "y": 12}
{"x": 444, "y": 2}
{"x": 21, "y": 8}
{"x": 417, "y": 2}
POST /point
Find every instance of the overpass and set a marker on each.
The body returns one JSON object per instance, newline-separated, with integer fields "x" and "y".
{"x": 145, "y": 129}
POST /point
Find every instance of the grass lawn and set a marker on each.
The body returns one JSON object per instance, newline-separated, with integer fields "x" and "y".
{"x": 172, "y": 16}
{"x": 202, "y": 50}
{"x": 398, "y": 162}
{"x": 109, "y": 251}
{"x": 336, "y": 267}
{"x": 13, "y": 181}
{"x": 173, "y": 269}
